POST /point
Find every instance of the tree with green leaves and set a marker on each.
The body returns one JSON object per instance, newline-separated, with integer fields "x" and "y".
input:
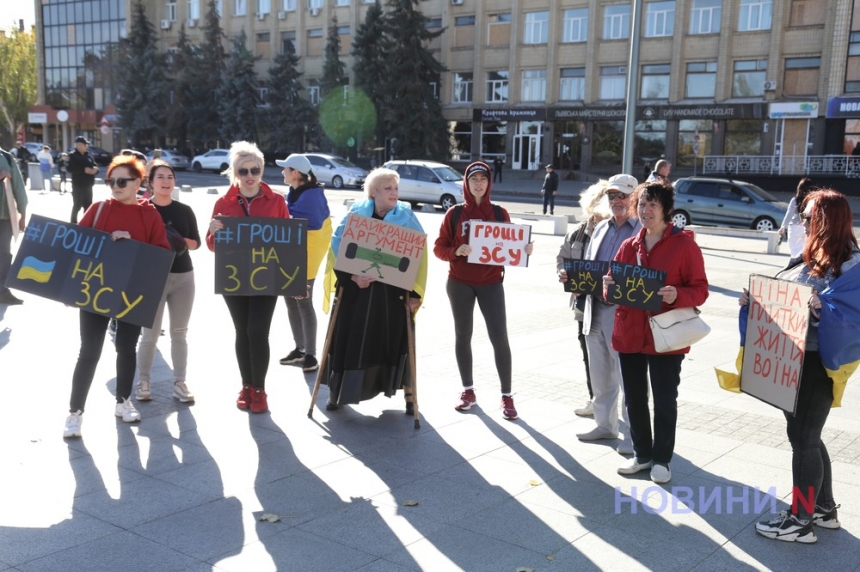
{"x": 334, "y": 71}
{"x": 238, "y": 97}
{"x": 205, "y": 81}
{"x": 142, "y": 85}
{"x": 288, "y": 114}
{"x": 369, "y": 49}
{"x": 17, "y": 81}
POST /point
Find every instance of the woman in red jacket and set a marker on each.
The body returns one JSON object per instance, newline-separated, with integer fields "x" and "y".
{"x": 124, "y": 217}
{"x": 248, "y": 195}
{"x": 662, "y": 246}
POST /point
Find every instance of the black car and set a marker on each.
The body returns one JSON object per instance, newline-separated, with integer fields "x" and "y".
{"x": 100, "y": 156}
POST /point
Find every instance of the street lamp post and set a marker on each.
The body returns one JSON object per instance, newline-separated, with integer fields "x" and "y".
{"x": 632, "y": 84}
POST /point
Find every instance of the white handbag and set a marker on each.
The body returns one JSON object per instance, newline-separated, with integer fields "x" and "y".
{"x": 677, "y": 329}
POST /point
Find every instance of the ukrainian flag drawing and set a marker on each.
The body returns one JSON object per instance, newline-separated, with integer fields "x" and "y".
{"x": 34, "y": 269}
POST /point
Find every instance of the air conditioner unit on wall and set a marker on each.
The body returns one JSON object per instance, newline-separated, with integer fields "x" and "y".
{"x": 165, "y": 24}
{"x": 457, "y": 2}
{"x": 315, "y": 11}
{"x": 261, "y": 16}
{"x": 770, "y": 85}
{"x": 190, "y": 23}
{"x": 282, "y": 15}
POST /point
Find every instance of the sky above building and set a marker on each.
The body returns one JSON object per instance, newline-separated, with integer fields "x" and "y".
{"x": 14, "y": 10}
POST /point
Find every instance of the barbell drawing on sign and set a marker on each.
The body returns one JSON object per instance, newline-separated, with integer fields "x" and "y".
{"x": 377, "y": 258}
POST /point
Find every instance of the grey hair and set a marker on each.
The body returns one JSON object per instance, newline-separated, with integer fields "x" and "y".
{"x": 593, "y": 201}
{"x": 377, "y": 178}
{"x": 241, "y": 152}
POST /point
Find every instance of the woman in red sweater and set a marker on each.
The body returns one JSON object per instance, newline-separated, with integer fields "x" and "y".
{"x": 248, "y": 195}
{"x": 124, "y": 217}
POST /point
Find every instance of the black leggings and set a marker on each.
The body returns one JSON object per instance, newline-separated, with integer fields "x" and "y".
{"x": 82, "y": 198}
{"x": 252, "y": 318}
{"x": 491, "y": 301}
{"x": 93, "y": 328}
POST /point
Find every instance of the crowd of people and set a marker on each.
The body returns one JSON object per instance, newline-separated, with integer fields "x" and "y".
{"x": 370, "y": 342}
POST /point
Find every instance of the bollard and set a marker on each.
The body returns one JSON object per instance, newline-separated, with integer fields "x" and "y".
{"x": 212, "y": 191}
{"x": 186, "y": 188}
{"x": 428, "y": 208}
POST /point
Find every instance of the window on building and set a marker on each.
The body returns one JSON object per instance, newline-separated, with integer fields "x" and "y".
{"x": 572, "y": 84}
{"x": 263, "y": 48}
{"x": 606, "y": 142}
{"x": 433, "y": 23}
{"x": 497, "y": 86}
{"x": 462, "y": 92}
{"x": 499, "y": 32}
{"x": 755, "y": 15}
{"x": 194, "y": 9}
{"x": 749, "y": 78}
{"x": 743, "y": 136}
{"x": 239, "y": 7}
{"x": 705, "y": 16}
{"x": 688, "y": 130}
{"x": 289, "y": 5}
{"x": 807, "y": 13}
{"x": 613, "y": 82}
{"x": 852, "y": 70}
{"x": 461, "y": 140}
{"x": 574, "y": 25}
{"x": 315, "y": 4}
{"x": 219, "y": 7}
{"x": 801, "y": 76}
{"x": 659, "y": 19}
{"x": 536, "y": 28}
{"x": 464, "y": 31}
{"x": 288, "y": 39}
{"x": 262, "y": 96}
{"x": 264, "y": 6}
{"x": 533, "y": 85}
{"x": 494, "y": 137}
{"x": 655, "y": 82}
{"x": 616, "y": 22}
{"x": 434, "y": 88}
{"x": 701, "y": 80}
{"x": 341, "y": 2}
{"x": 170, "y": 10}
{"x": 314, "y": 93}
{"x": 649, "y": 141}
{"x": 315, "y": 44}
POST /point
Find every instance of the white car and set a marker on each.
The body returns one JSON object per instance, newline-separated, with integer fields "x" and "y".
{"x": 336, "y": 171}
{"x": 428, "y": 182}
{"x": 215, "y": 160}
{"x": 177, "y": 161}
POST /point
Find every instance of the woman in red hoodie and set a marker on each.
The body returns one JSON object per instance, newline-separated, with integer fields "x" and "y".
{"x": 248, "y": 195}
{"x": 124, "y": 217}
{"x": 468, "y": 282}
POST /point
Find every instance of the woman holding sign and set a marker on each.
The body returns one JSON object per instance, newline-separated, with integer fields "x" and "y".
{"x": 248, "y": 196}
{"x": 830, "y": 252}
{"x": 660, "y": 246}
{"x": 469, "y": 283}
{"x": 367, "y": 348}
{"x": 124, "y": 217}
{"x": 181, "y": 226}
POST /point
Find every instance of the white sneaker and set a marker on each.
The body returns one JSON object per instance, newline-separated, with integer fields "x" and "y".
{"x": 661, "y": 474}
{"x": 73, "y": 425}
{"x": 180, "y": 392}
{"x": 586, "y": 410}
{"x": 127, "y": 411}
{"x": 143, "y": 393}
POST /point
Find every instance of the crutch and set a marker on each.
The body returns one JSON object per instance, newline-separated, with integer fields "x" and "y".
{"x": 324, "y": 357}
{"x": 410, "y": 336}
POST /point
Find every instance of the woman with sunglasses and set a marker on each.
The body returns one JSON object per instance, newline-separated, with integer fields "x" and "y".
{"x": 124, "y": 217}
{"x": 248, "y": 196}
{"x": 181, "y": 227}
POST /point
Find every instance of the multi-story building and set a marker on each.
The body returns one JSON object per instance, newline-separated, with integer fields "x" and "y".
{"x": 537, "y": 80}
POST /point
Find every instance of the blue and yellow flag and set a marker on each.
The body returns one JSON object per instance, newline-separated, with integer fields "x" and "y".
{"x": 728, "y": 380}
{"x": 839, "y": 330}
{"x": 37, "y": 270}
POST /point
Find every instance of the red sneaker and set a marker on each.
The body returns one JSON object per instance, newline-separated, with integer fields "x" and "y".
{"x": 244, "y": 400}
{"x": 467, "y": 400}
{"x": 259, "y": 403}
{"x": 508, "y": 409}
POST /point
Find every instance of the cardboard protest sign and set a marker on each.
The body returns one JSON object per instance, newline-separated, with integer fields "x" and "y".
{"x": 499, "y": 243}
{"x": 261, "y": 256}
{"x": 775, "y": 340}
{"x": 636, "y": 286}
{"x": 388, "y": 252}
{"x": 585, "y": 276}
{"x": 84, "y": 268}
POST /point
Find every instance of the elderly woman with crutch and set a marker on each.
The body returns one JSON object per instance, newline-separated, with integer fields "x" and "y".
{"x": 370, "y": 344}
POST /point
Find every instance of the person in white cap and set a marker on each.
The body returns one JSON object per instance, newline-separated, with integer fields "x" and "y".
{"x": 599, "y": 316}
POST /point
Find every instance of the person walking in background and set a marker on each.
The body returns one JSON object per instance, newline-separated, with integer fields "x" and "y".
{"x": 792, "y": 227}
{"x": 469, "y": 282}
{"x": 249, "y": 196}
{"x": 180, "y": 224}
{"x": 13, "y": 199}
{"x": 647, "y": 171}
{"x": 63, "y": 169}
{"x": 83, "y": 168}
{"x": 549, "y": 189}
{"x": 498, "y": 165}
{"x": 595, "y": 208}
{"x": 46, "y": 166}
{"x": 306, "y": 200}
{"x": 23, "y": 156}
{"x": 661, "y": 246}
{"x": 123, "y": 217}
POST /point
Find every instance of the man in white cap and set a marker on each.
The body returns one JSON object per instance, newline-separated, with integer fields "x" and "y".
{"x": 599, "y": 316}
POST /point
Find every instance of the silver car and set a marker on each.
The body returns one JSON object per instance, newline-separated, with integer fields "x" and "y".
{"x": 179, "y": 162}
{"x": 215, "y": 160}
{"x": 336, "y": 171}
{"x": 726, "y": 202}
{"x": 428, "y": 182}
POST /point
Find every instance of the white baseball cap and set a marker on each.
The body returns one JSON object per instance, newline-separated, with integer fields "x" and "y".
{"x": 297, "y": 162}
{"x": 624, "y": 183}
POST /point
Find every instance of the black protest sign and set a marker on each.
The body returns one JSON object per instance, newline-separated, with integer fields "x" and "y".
{"x": 261, "y": 256}
{"x": 585, "y": 276}
{"x": 636, "y": 286}
{"x": 84, "y": 268}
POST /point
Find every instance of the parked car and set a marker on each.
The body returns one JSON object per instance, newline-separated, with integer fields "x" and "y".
{"x": 215, "y": 160}
{"x": 428, "y": 182}
{"x": 179, "y": 162}
{"x": 336, "y": 171}
{"x": 100, "y": 156}
{"x": 35, "y": 148}
{"x": 726, "y": 202}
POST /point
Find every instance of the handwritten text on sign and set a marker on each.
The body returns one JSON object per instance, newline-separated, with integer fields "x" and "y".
{"x": 261, "y": 256}
{"x": 585, "y": 276}
{"x": 84, "y": 268}
{"x": 499, "y": 243}
{"x": 775, "y": 340}
{"x": 636, "y": 286}
{"x": 387, "y": 252}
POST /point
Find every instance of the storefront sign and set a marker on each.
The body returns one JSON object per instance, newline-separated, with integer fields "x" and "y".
{"x": 499, "y": 243}
{"x": 84, "y": 268}
{"x": 593, "y": 113}
{"x": 37, "y": 118}
{"x": 793, "y": 110}
{"x": 636, "y": 286}
{"x": 843, "y": 107}
{"x": 533, "y": 114}
{"x": 711, "y": 111}
{"x": 261, "y": 256}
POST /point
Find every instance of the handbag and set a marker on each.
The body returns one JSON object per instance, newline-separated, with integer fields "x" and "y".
{"x": 677, "y": 329}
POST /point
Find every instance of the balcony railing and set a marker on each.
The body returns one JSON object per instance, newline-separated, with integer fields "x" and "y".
{"x": 845, "y": 165}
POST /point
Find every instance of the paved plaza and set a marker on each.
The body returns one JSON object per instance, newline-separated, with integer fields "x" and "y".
{"x": 361, "y": 488}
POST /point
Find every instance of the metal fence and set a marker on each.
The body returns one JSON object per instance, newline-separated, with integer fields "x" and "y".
{"x": 844, "y": 165}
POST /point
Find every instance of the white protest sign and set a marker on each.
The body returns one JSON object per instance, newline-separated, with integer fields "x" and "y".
{"x": 775, "y": 340}
{"x": 499, "y": 243}
{"x": 388, "y": 252}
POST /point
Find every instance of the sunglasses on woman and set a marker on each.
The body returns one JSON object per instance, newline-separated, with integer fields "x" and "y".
{"x": 120, "y": 182}
{"x": 253, "y": 170}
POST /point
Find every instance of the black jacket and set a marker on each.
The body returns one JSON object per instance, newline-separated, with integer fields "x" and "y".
{"x": 550, "y": 182}
{"x": 77, "y": 163}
